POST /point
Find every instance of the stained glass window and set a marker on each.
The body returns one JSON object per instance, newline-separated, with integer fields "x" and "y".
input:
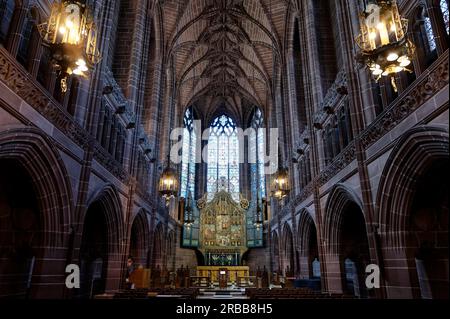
{"x": 223, "y": 158}
{"x": 430, "y": 34}
{"x": 445, "y": 14}
{"x": 188, "y": 156}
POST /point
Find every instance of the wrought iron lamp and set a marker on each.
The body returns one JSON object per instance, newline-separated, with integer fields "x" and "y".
{"x": 280, "y": 184}
{"x": 383, "y": 42}
{"x": 168, "y": 182}
{"x": 71, "y": 35}
{"x": 189, "y": 219}
{"x": 259, "y": 218}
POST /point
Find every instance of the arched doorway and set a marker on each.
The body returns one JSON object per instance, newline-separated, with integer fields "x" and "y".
{"x": 35, "y": 214}
{"x": 308, "y": 260}
{"x": 20, "y": 229}
{"x": 413, "y": 215}
{"x": 158, "y": 241}
{"x": 139, "y": 239}
{"x": 94, "y": 252}
{"x": 288, "y": 251}
{"x": 347, "y": 245}
{"x": 102, "y": 245}
{"x": 354, "y": 250}
{"x": 429, "y": 231}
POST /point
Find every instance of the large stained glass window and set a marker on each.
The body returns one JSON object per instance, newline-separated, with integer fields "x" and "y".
{"x": 223, "y": 158}
{"x": 188, "y": 156}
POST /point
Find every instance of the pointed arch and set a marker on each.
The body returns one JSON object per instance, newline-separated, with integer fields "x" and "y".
{"x": 140, "y": 238}
{"x": 413, "y": 154}
{"x": 158, "y": 247}
{"x": 347, "y": 245}
{"x": 307, "y": 244}
{"x": 288, "y": 250}
{"x": 108, "y": 198}
{"x": 37, "y": 154}
{"x": 36, "y": 214}
{"x": 339, "y": 199}
{"x": 412, "y": 208}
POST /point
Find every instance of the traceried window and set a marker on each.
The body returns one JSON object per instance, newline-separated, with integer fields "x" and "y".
{"x": 257, "y": 149}
{"x": 430, "y": 34}
{"x": 188, "y": 155}
{"x": 223, "y": 157}
{"x": 445, "y": 14}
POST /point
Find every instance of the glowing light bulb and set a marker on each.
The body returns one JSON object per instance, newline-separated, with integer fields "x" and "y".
{"x": 69, "y": 24}
{"x": 62, "y": 30}
{"x": 392, "y": 57}
{"x": 77, "y": 71}
{"x": 372, "y": 36}
{"x": 83, "y": 68}
{"x": 375, "y": 67}
{"x": 381, "y": 25}
{"x": 80, "y": 62}
{"x": 398, "y": 69}
{"x": 404, "y": 61}
{"x": 377, "y": 72}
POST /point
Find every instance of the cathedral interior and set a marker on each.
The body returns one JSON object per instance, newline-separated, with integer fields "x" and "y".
{"x": 256, "y": 148}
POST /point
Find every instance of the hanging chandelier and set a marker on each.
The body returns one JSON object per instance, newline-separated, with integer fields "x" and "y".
{"x": 71, "y": 35}
{"x": 280, "y": 186}
{"x": 189, "y": 219}
{"x": 259, "y": 218}
{"x": 168, "y": 182}
{"x": 384, "y": 46}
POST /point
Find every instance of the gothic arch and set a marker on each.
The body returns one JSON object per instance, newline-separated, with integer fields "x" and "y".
{"x": 288, "y": 250}
{"x": 102, "y": 243}
{"x": 158, "y": 247}
{"x": 36, "y": 207}
{"x": 414, "y": 153}
{"x": 108, "y": 198}
{"x": 412, "y": 207}
{"x": 307, "y": 243}
{"x": 338, "y": 200}
{"x": 139, "y": 238}
{"x": 36, "y": 153}
{"x": 347, "y": 245}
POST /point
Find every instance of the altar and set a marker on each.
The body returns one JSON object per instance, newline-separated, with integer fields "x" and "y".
{"x": 233, "y": 272}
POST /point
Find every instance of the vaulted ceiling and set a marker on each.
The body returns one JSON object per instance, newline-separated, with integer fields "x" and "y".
{"x": 223, "y": 51}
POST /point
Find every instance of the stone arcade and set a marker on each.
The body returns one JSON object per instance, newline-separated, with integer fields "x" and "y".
{"x": 366, "y": 162}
